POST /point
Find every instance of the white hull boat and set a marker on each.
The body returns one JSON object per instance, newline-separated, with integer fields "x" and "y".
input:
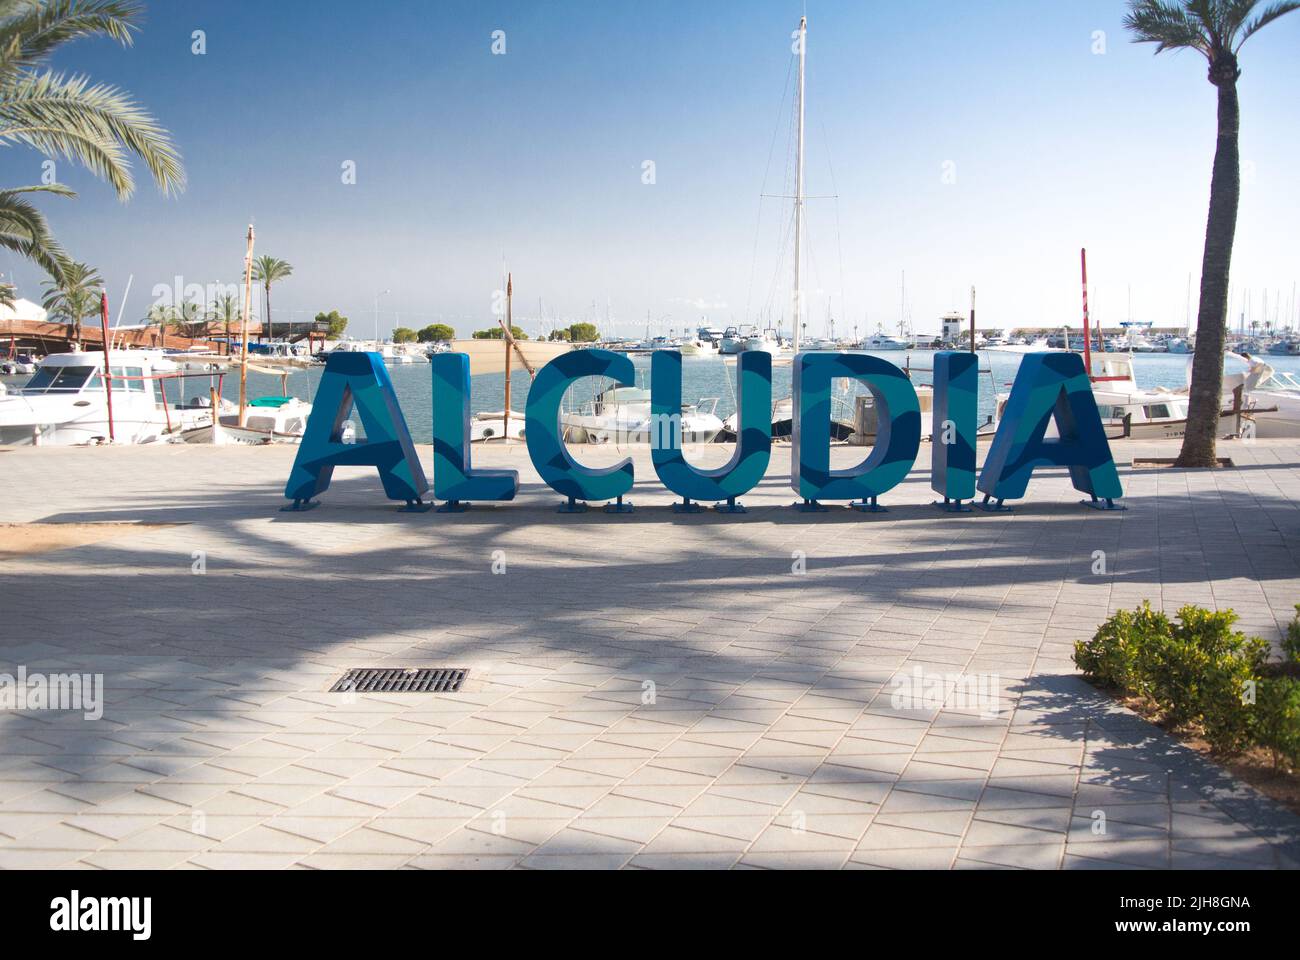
{"x": 621, "y": 415}
{"x": 266, "y": 420}
{"x": 493, "y": 426}
{"x": 66, "y": 402}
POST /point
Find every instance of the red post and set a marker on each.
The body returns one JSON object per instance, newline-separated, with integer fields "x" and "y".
{"x": 1087, "y": 335}
{"x": 108, "y": 370}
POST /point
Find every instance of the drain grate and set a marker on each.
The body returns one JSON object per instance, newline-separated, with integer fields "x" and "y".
{"x": 400, "y": 680}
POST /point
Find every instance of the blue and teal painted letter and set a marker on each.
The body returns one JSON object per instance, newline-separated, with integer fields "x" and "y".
{"x": 1050, "y": 385}
{"x": 360, "y": 379}
{"x": 898, "y": 431}
{"x": 753, "y": 430}
{"x": 454, "y": 479}
{"x": 545, "y": 435}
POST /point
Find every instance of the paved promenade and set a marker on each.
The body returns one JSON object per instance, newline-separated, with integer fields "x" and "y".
{"x": 650, "y": 690}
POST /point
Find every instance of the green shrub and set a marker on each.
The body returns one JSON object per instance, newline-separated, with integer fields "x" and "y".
{"x": 1275, "y": 719}
{"x": 1291, "y": 642}
{"x": 1197, "y": 670}
{"x": 1110, "y": 658}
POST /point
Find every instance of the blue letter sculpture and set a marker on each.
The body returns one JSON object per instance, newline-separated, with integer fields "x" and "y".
{"x": 1047, "y": 385}
{"x": 359, "y": 378}
{"x": 955, "y": 423}
{"x": 898, "y": 430}
{"x": 545, "y": 435}
{"x": 453, "y": 478}
{"x": 753, "y": 432}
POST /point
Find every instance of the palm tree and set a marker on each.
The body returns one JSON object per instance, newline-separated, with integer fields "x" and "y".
{"x": 74, "y": 297}
{"x": 161, "y": 316}
{"x": 191, "y": 320}
{"x": 269, "y": 270}
{"x": 65, "y": 116}
{"x": 1216, "y": 29}
{"x": 225, "y": 310}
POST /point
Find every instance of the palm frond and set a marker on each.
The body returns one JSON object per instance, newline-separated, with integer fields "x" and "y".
{"x": 267, "y": 269}
{"x": 24, "y": 230}
{"x": 1264, "y": 18}
{"x": 1168, "y": 26}
{"x": 30, "y": 30}
{"x": 75, "y": 295}
{"x": 96, "y": 125}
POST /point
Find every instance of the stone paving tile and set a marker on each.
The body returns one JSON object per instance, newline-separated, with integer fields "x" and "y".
{"x": 773, "y": 740}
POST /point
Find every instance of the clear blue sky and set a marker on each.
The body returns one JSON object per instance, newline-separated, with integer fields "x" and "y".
{"x": 463, "y": 157}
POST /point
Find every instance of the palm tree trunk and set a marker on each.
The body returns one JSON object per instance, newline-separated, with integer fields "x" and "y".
{"x": 266, "y": 321}
{"x": 1206, "y": 394}
{"x": 227, "y": 338}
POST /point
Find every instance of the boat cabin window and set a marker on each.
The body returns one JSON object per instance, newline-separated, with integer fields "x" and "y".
{"x": 135, "y": 385}
{"x": 58, "y": 379}
{"x": 1157, "y": 411}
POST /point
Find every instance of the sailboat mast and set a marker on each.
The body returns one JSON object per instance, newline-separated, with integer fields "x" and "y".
{"x": 798, "y": 191}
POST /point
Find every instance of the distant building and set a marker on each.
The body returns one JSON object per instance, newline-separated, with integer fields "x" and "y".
{"x": 23, "y": 310}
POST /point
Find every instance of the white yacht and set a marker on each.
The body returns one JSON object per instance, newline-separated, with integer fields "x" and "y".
{"x": 66, "y": 402}
{"x": 882, "y": 341}
{"x": 621, "y": 415}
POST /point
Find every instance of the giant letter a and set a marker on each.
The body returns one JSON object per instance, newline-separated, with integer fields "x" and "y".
{"x": 359, "y": 379}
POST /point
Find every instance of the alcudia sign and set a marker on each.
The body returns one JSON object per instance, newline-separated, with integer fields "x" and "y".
{"x": 1047, "y": 386}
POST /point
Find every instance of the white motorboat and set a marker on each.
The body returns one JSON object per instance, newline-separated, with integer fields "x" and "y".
{"x": 1038, "y": 346}
{"x": 733, "y": 339}
{"x": 1128, "y": 410}
{"x": 622, "y": 415}
{"x": 266, "y": 420}
{"x": 1273, "y": 401}
{"x": 698, "y": 348}
{"x": 18, "y": 364}
{"x": 765, "y": 342}
{"x": 66, "y": 402}
{"x": 880, "y": 341}
{"x": 493, "y": 426}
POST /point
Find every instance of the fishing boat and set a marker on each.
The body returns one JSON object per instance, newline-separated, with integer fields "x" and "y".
{"x": 733, "y": 339}
{"x": 66, "y": 402}
{"x": 765, "y": 342}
